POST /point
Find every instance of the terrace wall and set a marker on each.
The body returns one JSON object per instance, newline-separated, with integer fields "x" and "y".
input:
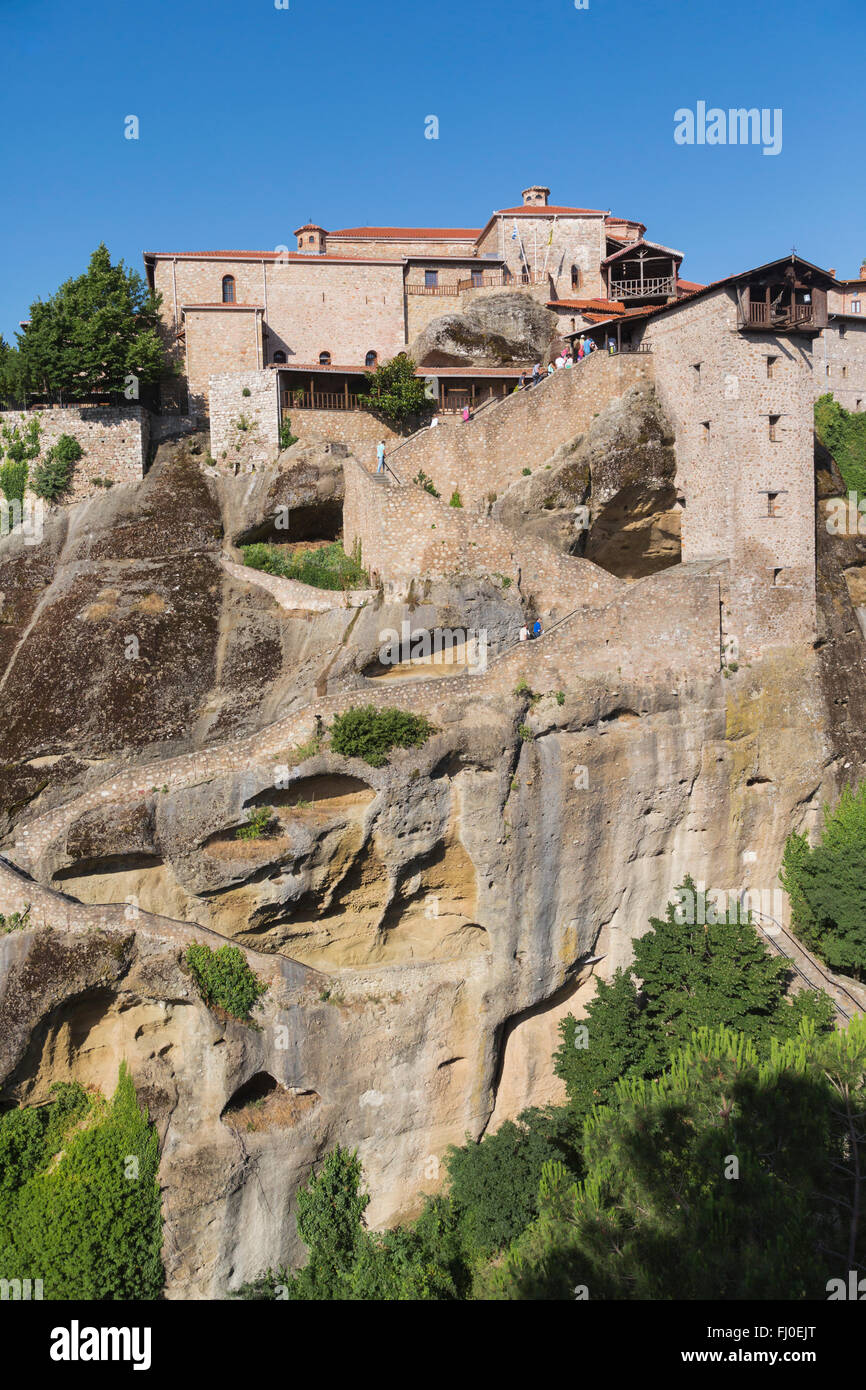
{"x": 115, "y": 441}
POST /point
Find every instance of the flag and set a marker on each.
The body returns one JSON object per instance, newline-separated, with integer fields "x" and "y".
{"x": 514, "y": 233}
{"x": 550, "y": 238}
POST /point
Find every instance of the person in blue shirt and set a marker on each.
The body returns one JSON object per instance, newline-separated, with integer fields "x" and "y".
{"x": 380, "y": 456}
{"x": 537, "y": 629}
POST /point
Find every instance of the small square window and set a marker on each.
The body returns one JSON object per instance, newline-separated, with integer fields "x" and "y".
{"x": 696, "y": 368}
{"x": 705, "y": 431}
{"x": 774, "y": 421}
{"x": 431, "y": 278}
{"x": 774, "y": 503}
{"x": 855, "y": 306}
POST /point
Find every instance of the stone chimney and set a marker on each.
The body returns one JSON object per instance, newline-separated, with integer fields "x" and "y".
{"x": 832, "y": 271}
{"x": 311, "y": 239}
{"x": 863, "y": 271}
{"x": 536, "y": 196}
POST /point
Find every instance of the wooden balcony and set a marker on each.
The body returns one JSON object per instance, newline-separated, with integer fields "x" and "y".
{"x": 650, "y": 287}
{"x": 453, "y": 289}
{"x": 782, "y": 318}
{"x": 504, "y": 279}
{"x": 318, "y": 400}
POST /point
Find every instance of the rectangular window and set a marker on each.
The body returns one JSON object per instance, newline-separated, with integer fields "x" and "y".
{"x": 477, "y": 277}
{"x": 774, "y": 504}
{"x": 696, "y": 368}
{"x": 855, "y": 306}
{"x": 771, "y": 367}
{"x": 774, "y": 420}
{"x": 828, "y": 369}
{"x": 705, "y": 431}
{"x": 431, "y": 278}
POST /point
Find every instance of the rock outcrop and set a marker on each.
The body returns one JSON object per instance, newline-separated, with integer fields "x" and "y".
{"x": 495, "y": 330}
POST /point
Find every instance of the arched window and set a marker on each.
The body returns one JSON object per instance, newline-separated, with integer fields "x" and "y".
{"x": 279, "y": 356}
{"x": 575, "y": 277}
{"x": 324, "y": 359}
{"x": 371, "y": 359}
{"x": 228, "y": 289}
{"x": 311, "y": 239}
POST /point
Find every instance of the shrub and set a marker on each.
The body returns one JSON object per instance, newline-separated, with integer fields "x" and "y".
{"x": 525, "y": 733}
{"x": 13, "y": 480}
{"x": 256, "y": 826}
{"x": 22, "y": 441}
{"x": 287, "y": 439}
{"x": 456, "y": 500}
{"x": 370, "y": 733}
{"x": 52, "y": 477}
{"x": 527, "y": 472}
{"x": 843, "y": 432}
{"x": 224, "y": 979}
{"x": 16, "y": 921}
{"x": 426, "y": 482}
{"x": 329, "y": 567}
{"x": 246, "y": 391}
{"x": 75, "y": 1211}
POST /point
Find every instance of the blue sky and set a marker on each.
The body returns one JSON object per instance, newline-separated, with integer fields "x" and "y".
{"x": 254, "y": 119}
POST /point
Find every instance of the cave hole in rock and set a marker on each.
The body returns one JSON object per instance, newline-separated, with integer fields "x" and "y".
{"x": 320, "y": 521}
{"x": 438, "y": 651}
{"x": 329, "y": 792}
{"x": 637, "y": 533}
{"x": 264, "y": 1103}
{"x": 107, "y": 864}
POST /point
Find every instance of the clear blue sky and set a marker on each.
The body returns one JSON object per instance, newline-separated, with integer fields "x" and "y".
{"x": 254, "y": 119}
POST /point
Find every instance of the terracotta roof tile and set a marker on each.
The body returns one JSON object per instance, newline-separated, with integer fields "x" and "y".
{"x": 409, "y": 233}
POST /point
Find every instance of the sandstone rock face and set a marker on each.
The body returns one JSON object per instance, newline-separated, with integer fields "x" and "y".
{"x": 498, "y": 330}
{"x": 422, "y": 927}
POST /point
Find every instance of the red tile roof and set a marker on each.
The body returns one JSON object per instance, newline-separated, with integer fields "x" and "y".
{"x": 689, "y": 286}
{"x": 609, "y": 306}
{"x": 409, "y": 233}
{"x": 264, "y": 256}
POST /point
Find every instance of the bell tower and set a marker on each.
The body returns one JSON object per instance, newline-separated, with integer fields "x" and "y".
{"x": 537, "y": 196}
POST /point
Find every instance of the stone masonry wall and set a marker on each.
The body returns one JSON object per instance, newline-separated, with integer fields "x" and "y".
{"x": 577, "y": 240}
{"x": 259, "y": 443}
{"x": 721, "y": 387}
{"x": 114, "y": 439}
{"x": 492, "y": 449}
{"x": 405, "y": 533}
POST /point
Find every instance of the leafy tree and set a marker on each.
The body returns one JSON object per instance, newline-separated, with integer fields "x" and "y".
{"x": 843, "y": 432}
{"x": 827, "y": 884}
{"x": 94, "y": 333}
{"x": 370, "y": 733}
{"x": 493, "y": 1185}
{"x": 394, "y": 392}
{"x": 224, "y": 979}
{"x": 52, "y": 477}
{"x": 727, "y": 1178}
{"x": 79, "y": 1197}
{"x": 12, "y": 381}
{"x": 687, "y": 974}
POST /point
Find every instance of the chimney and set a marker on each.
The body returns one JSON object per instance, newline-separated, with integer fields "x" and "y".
{"x": 863, "y": 271}
{"x": 832, "y": 271}
{"x": 536, "y": 196}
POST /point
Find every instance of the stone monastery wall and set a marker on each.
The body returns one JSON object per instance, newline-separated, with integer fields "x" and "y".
{"x": 405, "y": 533}
{"x": 489, "y": 452}
{"x": 115, "y": 441}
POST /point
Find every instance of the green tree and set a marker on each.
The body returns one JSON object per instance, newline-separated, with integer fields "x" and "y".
{"x": 690, "y": 970}
{"x": 827, "y": 884}
{"x": 394, "y": 392}
{"x": 370, "y": 733}
{"x": 12, "y": 380}
{"x": 94, "y": 333}
{"x": 727, "y": 1178}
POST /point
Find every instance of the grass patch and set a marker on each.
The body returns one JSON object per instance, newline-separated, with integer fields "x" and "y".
{"x": 329, "y": 567}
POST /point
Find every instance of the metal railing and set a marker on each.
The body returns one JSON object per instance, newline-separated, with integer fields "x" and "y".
{"x": 815, "y": 964}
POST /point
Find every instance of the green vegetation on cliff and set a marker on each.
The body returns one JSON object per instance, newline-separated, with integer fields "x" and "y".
{"x": 843, "y": 433}
{"x": 79, "y": 1196}
{"x": 370, "y": 733}
{"x": 327, "y": 567}
{"x": 827, "y": 885}
{"x": 225, "y": 980}
{"x": 711, "y": 1147}
{"x": 394, "y": 392}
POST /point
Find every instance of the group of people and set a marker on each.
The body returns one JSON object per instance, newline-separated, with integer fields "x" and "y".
{"x": 568, "y": 355}
{"x": 535, "y": 631}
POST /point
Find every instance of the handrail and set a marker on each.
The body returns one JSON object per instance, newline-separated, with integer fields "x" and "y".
{"x": 816, "y": 965}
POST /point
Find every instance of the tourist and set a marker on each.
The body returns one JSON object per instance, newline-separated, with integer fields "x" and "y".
{"x": 521, "y": 381}
{"x": 465, "y": 414}
{"x": 580, "y": 352}
{"x": 536, "y": 374}
{"x": 524, "y": 633}
{"x": 434, "y": 422}
{"x": 591, "y": 345}
{"x": 537, "y": 629}
{"x": 611, "y": 346}
{"x": 581, "y": 346}
{"x": 550, "y": 369}
{"x": 569, "y": 361}
{"x": 380, "y": 456}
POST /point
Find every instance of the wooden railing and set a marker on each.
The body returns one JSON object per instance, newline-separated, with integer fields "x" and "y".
{"x": 452, "y": 290}
{"x": 318, "y": 400}
{"x": 760, "y": 314}
{"x": 649, "y": 287}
